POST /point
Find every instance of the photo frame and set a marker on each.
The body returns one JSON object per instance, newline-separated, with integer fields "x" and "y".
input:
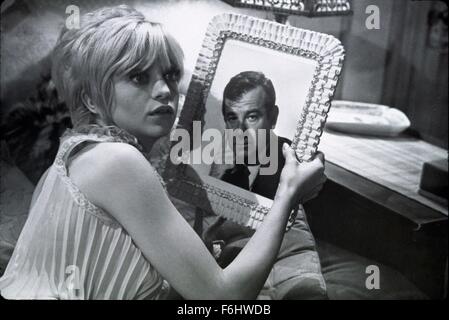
{"x": 305, "y": 64}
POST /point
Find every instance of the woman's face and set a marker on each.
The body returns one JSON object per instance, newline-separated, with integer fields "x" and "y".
{"x": 146, "y": 103}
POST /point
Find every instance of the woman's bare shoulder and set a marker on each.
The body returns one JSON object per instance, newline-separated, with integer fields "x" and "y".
{"x": 103, "y": 167}
{"x": 101, "y": 157}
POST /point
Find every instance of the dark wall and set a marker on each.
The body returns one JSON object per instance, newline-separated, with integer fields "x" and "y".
{"x": 416, "y": 70}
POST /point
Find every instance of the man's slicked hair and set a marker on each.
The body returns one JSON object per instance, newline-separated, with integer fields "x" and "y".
{"x": 246, "y": 81}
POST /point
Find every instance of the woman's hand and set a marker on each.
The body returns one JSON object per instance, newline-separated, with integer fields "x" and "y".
{"x": 300, "y": 181}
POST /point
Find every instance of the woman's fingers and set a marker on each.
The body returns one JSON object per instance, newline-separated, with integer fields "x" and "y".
{"x": 289, "y": 153}
{"x": 304, "y": 180}
{"x": 320, "y": 156}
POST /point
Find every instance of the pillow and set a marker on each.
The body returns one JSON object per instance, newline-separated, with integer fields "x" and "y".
{"x": 296, "y": 275}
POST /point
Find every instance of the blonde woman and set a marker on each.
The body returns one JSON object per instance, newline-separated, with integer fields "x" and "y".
{"x": 101, "y": 225}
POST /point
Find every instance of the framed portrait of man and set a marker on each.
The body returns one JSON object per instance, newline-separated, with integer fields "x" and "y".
{"x": 257, "y": 84}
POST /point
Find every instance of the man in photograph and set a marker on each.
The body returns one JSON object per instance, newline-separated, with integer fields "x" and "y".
{"x": 249, "y": 103}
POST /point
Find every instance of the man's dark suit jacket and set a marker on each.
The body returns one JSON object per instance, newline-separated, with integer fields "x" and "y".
{"x": 234, "y": 235}
{"x": 266, "y": 185}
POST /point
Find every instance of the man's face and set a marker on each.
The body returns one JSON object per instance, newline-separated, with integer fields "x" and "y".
{"x": 249, "y": 113}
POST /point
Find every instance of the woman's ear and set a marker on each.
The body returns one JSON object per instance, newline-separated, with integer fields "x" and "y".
{"x": 88, "y": 103}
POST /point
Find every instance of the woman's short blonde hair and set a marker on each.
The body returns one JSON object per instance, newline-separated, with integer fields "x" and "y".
{"x": 110, "y": 42}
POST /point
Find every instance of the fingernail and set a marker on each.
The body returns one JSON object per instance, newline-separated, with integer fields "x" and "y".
{"x": 284, "y": 145}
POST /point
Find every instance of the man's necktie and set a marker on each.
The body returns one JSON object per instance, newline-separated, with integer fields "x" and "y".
{"x": 239, "y": 176}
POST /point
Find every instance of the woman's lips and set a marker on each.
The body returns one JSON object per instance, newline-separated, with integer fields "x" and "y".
{"x": 162, "y": 111}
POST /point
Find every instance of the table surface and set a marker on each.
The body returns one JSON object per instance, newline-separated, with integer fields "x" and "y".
{"x": 385, "y": 170}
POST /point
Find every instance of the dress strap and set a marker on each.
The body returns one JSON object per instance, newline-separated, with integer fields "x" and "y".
{"x": 68, "y": 145}
{"x": 73, "y": 141}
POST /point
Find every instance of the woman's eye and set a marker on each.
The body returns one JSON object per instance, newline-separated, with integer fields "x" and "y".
{"x": 172, "y": 76}
{"x": 140, "y": 78}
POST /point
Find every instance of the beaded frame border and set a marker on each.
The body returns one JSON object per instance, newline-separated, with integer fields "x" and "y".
{"x": 329, "y": 54}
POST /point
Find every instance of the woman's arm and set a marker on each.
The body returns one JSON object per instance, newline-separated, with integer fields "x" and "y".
{"x": 117, "y": 178}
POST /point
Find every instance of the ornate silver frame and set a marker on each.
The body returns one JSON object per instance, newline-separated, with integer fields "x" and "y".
{"x": 217, "y": 196}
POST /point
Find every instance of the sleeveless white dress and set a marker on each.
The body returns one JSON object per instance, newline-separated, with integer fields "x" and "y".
{"x": 71, "y": 249}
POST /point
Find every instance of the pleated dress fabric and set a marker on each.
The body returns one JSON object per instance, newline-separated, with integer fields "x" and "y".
{"x": 71, "y": 249}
